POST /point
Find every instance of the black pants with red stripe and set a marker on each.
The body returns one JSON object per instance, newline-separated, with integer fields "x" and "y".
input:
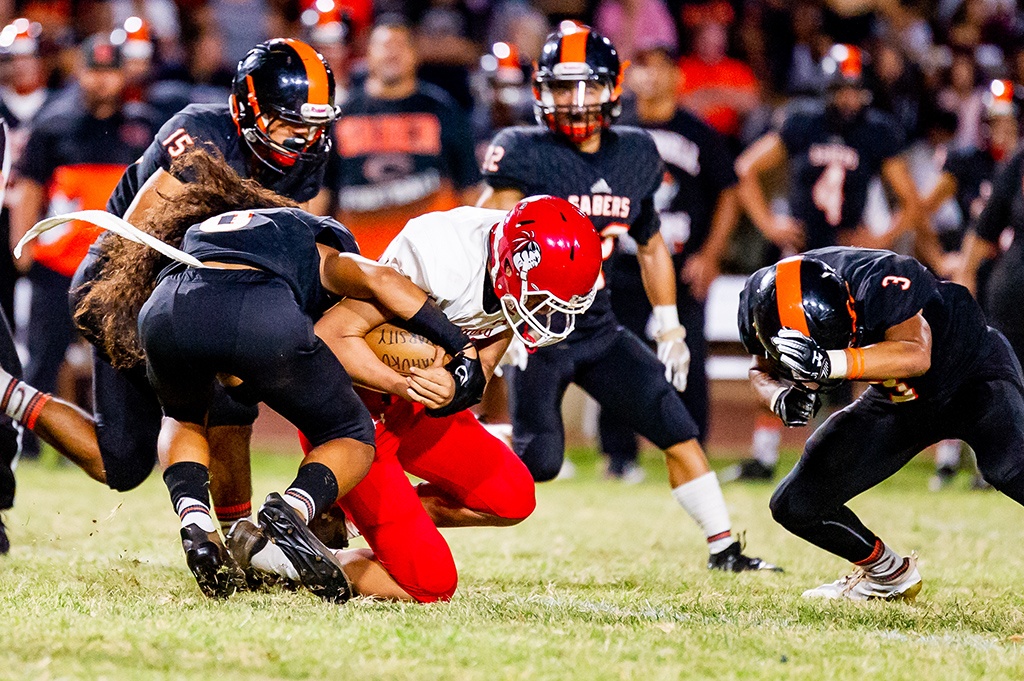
{"x": 871, "y": 439}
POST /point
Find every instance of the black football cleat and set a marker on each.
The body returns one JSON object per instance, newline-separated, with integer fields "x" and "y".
{"x": 5, "y": 542}
{"x": 245, "y": 539}
{"x": 749, "y": 470}
{"x": 732, "y": 559}
{"x": 215, "y": 571}
{"x": 318, "y": 568}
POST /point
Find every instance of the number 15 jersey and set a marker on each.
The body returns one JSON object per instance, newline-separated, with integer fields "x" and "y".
{"x": 830, "y": 167}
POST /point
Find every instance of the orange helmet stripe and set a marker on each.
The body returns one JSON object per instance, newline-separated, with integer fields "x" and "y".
{"x": 789, "y": 295}
{"x": 574, "y": 46}
{"x": 316, "y": 72}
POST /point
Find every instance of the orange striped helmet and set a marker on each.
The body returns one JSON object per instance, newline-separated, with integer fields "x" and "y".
{"x": 284, "y": 80}
{"x": 577, "y": 83}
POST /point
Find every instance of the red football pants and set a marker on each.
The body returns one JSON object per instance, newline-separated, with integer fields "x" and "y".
{"x": 456, "y": 456}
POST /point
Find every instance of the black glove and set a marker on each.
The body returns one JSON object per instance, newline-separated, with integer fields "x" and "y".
{"x": 796, "y": 406}
{"x": 469, "y": 385}
{"x": 804, "y": 357}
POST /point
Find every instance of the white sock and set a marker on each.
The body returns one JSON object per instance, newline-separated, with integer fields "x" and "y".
{"x": 947, "y": 454}
{"x": 194, "y": 512}
{"x": 300, "y": 501}
{"x": 765, "y": 445}
{"x": 702, "y": 499}
{"x": 272, "y": 559}
{"x": 883, "y": 562}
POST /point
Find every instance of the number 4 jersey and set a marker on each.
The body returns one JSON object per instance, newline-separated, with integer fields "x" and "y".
{"x": 887, "y": 290}
{"x": 613, "y": 186}
{"x": 830, "y": 167}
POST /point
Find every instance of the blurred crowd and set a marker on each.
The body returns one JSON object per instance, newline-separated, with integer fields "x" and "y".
{"x": 740, "y": 64}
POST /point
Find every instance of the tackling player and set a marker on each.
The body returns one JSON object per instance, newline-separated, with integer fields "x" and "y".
{"x": 272, "y": 130}
{"x": 832, "y": 151}
{"x": 527, "y": 273}
{"x": 611, "y": 174}
{"x": 936, "y": 371}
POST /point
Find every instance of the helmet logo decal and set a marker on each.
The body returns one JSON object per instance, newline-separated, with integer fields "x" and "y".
{"x": 789, "y": 295}
{"x": 526, "y": 256}
{"x": 571, "y": 68}
{"x": 317, "y": 112}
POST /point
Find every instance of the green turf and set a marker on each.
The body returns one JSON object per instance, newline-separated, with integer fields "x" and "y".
{"x": 603, "y": 582}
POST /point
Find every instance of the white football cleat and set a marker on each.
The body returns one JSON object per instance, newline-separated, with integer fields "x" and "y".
{"x": 860, "y": 586}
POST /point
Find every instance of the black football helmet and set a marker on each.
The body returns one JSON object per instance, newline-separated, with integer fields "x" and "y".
{"x": 807, "y": 295}
{"x": 284, "y": 80}
{"x": 575, "y": 58}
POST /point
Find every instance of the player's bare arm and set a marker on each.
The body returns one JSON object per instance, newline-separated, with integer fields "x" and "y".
{"x": 976, "y": 250}
{"x": 160, "y": 184}
{"x": 896, "y": 174}
{"x": 703, "y": 266}
{"x": 927, "y": 246}
{"x": 760, "y": 158}
{"x": 659, "y": 276}
{"x": 501, "y": 199}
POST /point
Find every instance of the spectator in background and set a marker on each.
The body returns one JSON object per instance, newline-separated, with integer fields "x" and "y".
{"x": 699, "y": 210}
{"x": 160, "y": 19}
{"x": 80, "y": 149}
{"x": 23, "y": 94}
{"x": 503, "y": 94}
{"x": 635, "y": 26}
{"x": 446, "y": 49}
{"x": 720, "y": 89}
{"x": 962, "y": 92}
{"x": 804, "y": 76}
{"x": 897, "y": 86}
{"x": 402, "y": 147}
{"x": 330, "y": 32}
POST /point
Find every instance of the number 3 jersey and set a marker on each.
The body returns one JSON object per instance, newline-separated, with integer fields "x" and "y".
{"x": 887, "y": 290}
{"x": 831, "y": 165}
{"x": 613, "y": 186}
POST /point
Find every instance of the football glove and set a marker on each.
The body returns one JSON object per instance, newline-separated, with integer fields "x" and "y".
{"x": 469, "y": 385}
{"x": 805, "y": 358}
{"x": 796, "y": 406}
{"x": 675, "y": 355}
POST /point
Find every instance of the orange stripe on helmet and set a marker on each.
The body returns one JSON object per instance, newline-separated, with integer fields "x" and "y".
{"x": 316, "y": 72}
{"x": 789, "y": 295}
{"x": 574, "y": 46}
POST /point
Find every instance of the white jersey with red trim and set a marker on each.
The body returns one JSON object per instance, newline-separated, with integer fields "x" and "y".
{"x": 446, "y": 254}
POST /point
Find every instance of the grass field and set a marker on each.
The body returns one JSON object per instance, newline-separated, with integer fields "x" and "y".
{"x": 603, "y": 582}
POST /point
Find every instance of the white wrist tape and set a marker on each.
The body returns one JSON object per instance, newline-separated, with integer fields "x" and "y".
{"x": 775, "y": 397}
{"x": 837, "y": 360}
{"x": 667, "y": 318}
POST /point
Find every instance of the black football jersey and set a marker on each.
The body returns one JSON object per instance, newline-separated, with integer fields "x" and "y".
{"x": 1005, "y": 208}
{"x": 614, "y": 186}
{"x": 830, "y": 168}
{"x": 203, "y": 124}
{"x": 279, "y": 240}
{"x": 888, "y": 289}
{"x": 972, "y": 168}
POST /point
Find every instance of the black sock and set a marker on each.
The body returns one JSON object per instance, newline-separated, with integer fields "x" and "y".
{"x": 189, "y": 485}
{"x": 314, "y": 488}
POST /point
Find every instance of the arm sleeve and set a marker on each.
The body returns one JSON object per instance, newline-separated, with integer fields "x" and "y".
{"x": 334, "y": 234}
{"x": 893, "y": 289}
{"x": 1005, "y": 186}
{"x": 508, "y": 162}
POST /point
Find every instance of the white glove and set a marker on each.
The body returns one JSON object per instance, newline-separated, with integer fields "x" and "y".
{"x": 672, "y": 349}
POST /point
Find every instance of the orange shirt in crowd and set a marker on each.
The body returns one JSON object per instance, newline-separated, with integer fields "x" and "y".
{"x": 727, "y": 74}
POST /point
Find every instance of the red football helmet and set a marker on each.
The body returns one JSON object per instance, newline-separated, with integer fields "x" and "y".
{"x": 547, "y": 258}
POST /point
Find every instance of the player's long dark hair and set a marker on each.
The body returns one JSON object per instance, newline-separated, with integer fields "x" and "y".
{"x": 108, "y": 312}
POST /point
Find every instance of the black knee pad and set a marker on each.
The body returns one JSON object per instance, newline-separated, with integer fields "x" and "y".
{"x": 232, "y": 407}
{"x": 542, "y": 455}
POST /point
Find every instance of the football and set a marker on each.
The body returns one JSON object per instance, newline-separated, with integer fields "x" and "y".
{"x": 400, "y": 349}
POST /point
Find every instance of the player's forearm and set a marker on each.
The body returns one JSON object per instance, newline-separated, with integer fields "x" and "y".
{"x": 723, "y": 225}
{"x": 25, "y": 213}
{"x": 765, "y": 386}
{"x": 976, "y": 250}
{"x": 882, "y": 361}
{"x": 365, "y": 369}
{"x": 754, "y": 202}
{"x": 491, "y": 352}
{"x": 657, "y": 272}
